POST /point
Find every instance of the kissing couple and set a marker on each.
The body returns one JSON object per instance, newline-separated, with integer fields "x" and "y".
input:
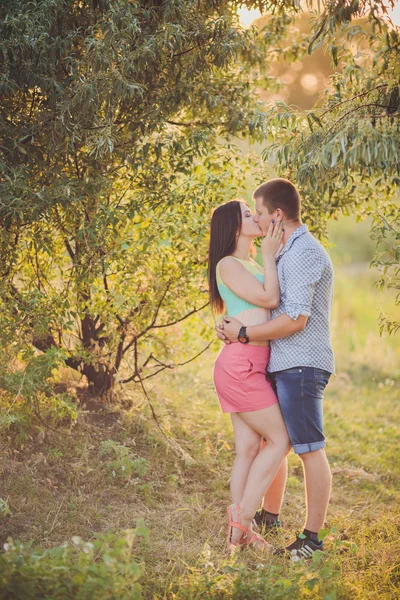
{"x": 276, "y": 360}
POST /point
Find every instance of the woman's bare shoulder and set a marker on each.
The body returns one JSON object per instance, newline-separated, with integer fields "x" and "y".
{"x": 229, "y": 263}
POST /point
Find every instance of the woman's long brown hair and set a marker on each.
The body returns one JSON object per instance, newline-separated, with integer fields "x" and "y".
{"x": 226, "y": 223}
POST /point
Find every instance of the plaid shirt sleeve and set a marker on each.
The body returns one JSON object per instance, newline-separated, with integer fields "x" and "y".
{"x": 301, "y": 273}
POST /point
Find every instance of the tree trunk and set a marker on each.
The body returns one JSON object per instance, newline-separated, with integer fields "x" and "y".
{"x": 100, "y": 379}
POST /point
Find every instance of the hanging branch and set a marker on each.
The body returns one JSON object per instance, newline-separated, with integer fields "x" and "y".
{"x": 174, "y": 445}
{"x": 349, "y": 112}
{"x": 194, "y": 124}
{"x": 192, "y": 312}
{"x": 163, "y": 366}
{"x": 154, "y": 326}
{"x": 332, "y": 108}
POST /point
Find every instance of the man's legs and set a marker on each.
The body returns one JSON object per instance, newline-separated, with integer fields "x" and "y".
{"x": 300, "y": 392}
{"x": 318, "y": 481}
{"x": 273, "y": 497}
{"x": 267, "y": 518}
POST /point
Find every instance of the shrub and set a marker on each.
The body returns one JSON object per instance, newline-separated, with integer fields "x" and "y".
{"x": 104, "y": 568}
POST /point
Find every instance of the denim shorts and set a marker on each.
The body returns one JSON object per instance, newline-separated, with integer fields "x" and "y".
{"x": 300, "y": 393}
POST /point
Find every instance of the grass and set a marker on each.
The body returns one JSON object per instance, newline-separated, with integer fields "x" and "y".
{"x": 55, "y": 486}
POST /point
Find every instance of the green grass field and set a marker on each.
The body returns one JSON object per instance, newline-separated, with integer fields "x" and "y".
{"x": 55, "y": 487}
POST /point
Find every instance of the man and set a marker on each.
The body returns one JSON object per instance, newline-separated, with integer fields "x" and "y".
{"x": 301, "y": 354}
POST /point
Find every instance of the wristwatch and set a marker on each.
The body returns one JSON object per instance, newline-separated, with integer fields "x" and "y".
{"x": 242, "y": 337}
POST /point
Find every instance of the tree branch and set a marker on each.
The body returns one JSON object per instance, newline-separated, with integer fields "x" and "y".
{"x": 170, "y": 440}
{"x": 32, "y": 103}
{"x": 69, "y": 250}
{"x": 353, "y": 98}
{"x": 349, "y": 112}
{"x": 194, "y": 124}
{"x": 15, "y": 244}
{"x": 385, "y": 221}
{"x": 142, "y": 333}
{"x": 189, "y": 49}
{"x": 136, "y": 374}
{"x": 154, "y": 326}
{"x": 78, "y": 173}
{"x": 192, "y": 312}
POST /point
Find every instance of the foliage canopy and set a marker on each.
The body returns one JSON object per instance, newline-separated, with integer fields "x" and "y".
{"x": 117, "y": 128}
{"x": 115, "y": 118}
{"x": 344, "y": 153}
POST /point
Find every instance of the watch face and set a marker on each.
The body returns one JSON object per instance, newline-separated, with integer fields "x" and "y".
{"x": 242, "y": 339}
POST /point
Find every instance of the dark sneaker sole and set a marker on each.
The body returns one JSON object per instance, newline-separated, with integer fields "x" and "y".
{"x": 304, "y": 553}
{"x": 296, "y": 555}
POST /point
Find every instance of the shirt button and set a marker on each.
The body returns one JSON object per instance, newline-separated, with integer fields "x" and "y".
{"x": 300, "y": 370}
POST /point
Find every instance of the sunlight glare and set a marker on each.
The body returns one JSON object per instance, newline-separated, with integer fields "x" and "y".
{"x": 394, "y": 15}
{"x": 247, "y": 16}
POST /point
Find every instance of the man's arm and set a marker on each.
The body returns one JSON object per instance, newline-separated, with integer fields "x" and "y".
{"x": 280, "y": 327}
{"x": 302, "y": 272}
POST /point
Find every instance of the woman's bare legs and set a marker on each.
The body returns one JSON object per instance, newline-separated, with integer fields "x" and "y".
{"x": 268, "y": 423}
{"x": 247, "y": 443}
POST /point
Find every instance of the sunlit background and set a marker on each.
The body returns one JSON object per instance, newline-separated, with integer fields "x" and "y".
{"x": 248, "y": 16}
{"x": 302, "y": 83}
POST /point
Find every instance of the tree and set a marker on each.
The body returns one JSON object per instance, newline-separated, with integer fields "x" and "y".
{"x": 118, "y": 128}
{"x": 115, "y": 123}
{"x": 344, "y": 153}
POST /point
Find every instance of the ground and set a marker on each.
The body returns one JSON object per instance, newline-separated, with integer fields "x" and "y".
{"x": 113, "y": 469}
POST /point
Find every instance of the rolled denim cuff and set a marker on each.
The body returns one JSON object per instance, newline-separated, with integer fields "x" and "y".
{"x": 311, "y": 447}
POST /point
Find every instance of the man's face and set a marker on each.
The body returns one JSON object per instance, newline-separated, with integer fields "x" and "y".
{"x": 262, "y": 217}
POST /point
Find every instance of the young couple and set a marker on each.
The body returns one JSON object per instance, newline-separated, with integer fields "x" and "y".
{"x": 284, "y": 407}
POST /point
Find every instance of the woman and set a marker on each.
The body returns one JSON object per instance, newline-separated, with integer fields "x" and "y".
{"x": 247, "y": 291}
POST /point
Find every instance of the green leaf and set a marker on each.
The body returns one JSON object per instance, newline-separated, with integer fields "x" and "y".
{"x": 323, "y": 533}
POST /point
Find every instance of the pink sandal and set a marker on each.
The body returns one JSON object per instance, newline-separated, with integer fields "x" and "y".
{"x": 255, "y": 541}
{"x": 258, "y": 543}
{"x": 233, "y": 546}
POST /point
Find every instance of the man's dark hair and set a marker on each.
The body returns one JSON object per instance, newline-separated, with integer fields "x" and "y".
{"x": 280, "y": 193}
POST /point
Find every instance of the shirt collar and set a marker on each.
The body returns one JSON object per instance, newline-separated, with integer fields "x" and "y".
{"x": 296, "y": 233}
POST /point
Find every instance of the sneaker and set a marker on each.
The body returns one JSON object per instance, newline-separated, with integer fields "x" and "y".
{"x": 263, "y": 525}
{"x": 302, "y": 547}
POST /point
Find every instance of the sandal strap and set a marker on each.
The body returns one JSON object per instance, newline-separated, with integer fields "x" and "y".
{"x": 257, "y": 538}
{"x": 237, "y": 524}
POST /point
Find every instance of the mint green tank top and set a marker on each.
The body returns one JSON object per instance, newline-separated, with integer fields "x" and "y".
{"x": 233, "y": 303}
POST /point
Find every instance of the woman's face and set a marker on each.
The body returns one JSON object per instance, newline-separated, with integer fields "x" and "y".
{"x": 249, "y": 227}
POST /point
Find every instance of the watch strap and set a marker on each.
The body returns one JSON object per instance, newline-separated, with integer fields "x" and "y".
{"x": 242, "y": 336}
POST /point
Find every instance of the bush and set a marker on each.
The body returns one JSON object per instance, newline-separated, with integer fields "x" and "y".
{"x": 122, "y": 464}
{"x": 104, "y": 569}
{"x": 306, "y": 579}
{"x": 27, "y": 394}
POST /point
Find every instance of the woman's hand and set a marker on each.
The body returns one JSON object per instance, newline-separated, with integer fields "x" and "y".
{"x": 272, "y": 241}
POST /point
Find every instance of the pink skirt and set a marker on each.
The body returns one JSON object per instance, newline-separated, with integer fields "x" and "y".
{"x": 239, "y": 378}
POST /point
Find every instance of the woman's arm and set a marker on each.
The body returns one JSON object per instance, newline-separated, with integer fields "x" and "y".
{"x": 242, "y": 283}
{"x": 238, "y": 279}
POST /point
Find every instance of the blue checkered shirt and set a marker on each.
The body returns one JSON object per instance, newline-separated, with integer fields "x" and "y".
{"x": 305, "y": 274}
